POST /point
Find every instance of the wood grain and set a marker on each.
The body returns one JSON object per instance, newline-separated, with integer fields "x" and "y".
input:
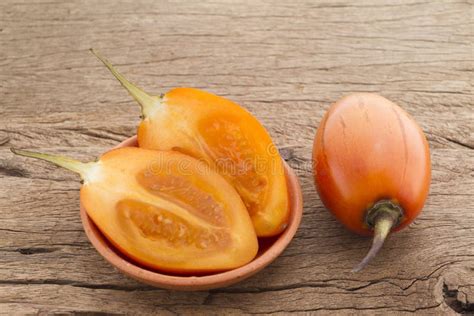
{"x": 285, "y": 62}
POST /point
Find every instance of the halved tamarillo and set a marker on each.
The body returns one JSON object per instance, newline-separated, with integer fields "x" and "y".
{"x": 165, "y": 210}
{"x": 223, "y": 135}
{"x": 371, "y": 164}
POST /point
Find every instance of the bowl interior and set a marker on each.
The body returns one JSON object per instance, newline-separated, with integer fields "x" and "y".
{"x": 269, "y": 248}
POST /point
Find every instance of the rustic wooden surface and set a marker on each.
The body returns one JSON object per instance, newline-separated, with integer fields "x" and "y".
{"x": 284, "y": 61}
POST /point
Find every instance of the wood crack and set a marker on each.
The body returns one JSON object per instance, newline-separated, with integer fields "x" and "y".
{"x": 34, "y": 250}
{"x": 451, "y": 299}
{"x": 4, "y": 140}
{"x": 451, "y": 140}
{"x": 102, "y": 134}
{"x": 11, "y": 171}
{"x": 79, "y": 284}
{"x": 455, "y": 141}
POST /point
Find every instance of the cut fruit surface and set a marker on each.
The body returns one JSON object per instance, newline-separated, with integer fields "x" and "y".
{"x": 165, "y": 210}
{"x": 226, "y": 137}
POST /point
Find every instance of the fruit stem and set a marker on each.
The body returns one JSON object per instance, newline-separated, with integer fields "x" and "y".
{"x": 382, "y": 217}
{"x": 146, "y": 101}
{"x": 70, "y": 164}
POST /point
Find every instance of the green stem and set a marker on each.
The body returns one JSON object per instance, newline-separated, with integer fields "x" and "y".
{"x": 147, "y": 102}
{"x": 73, "y": 165}
{"x": 382, "y": 217}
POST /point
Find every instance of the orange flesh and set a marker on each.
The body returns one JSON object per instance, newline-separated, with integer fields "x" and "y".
{"x": 368, "y": 149}
{"x": 177, "y": 190}
{"x": 231, "y": 142}
{"x": 234, "y": 158}
{"x": 162, "y": 211}
{"x": 162, "y": 226}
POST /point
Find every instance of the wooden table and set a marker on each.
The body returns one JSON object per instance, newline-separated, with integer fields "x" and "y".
{"x": 286, "y": 62}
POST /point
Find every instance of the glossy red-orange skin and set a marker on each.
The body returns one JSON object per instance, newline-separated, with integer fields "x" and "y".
{"x": 368, "y": 149}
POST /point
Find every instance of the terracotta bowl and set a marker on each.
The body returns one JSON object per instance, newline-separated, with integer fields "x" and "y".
{"x": 270, "y": 248}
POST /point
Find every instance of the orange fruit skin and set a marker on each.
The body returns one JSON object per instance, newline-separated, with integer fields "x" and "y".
{"x": 368, "y": 149}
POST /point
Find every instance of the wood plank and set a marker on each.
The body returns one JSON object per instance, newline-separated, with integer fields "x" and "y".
{"x": 286, "y": 63}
